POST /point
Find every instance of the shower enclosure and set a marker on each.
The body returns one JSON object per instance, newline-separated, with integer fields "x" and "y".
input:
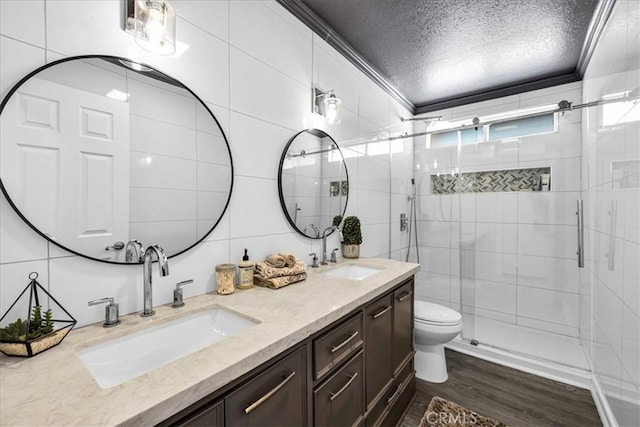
{"x": 497, "y": 223}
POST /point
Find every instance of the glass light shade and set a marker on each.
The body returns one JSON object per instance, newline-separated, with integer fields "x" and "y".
{"x": 155, "y": 26}
{"x": 332, "y": 109}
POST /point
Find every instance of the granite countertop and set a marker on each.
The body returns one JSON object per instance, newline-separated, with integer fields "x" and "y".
{"x": 55, "y": 388}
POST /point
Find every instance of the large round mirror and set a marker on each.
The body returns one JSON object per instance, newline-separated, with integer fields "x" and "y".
{"x": 102, "y": 156}
{"x": 313, "y": 182}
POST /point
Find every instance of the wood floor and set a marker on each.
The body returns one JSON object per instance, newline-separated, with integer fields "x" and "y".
{"x": 513, "y": 397}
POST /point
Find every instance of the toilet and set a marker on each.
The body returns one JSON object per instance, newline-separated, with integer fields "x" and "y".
{"x": 435, "y": 325}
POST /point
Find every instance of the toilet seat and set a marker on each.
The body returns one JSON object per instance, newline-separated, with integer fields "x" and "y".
{"x": 428, "y": 313}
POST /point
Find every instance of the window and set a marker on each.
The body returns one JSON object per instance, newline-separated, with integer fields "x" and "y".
{"x": 522, "y": 127}
{"x": 620, "y": 112}
{"x": 504, "y": 129}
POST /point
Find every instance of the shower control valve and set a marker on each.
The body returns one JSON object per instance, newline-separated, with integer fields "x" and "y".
{"x": 404, "y": 222}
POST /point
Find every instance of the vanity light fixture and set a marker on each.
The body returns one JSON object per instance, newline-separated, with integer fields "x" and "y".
{"x": 327, "y": 104}
{"x": 153, "y": 25}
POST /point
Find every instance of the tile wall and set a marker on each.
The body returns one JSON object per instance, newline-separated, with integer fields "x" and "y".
{"x": 506, "y": 259}
{"x": 610, "y": 281}
{"x": 253, "y": 64}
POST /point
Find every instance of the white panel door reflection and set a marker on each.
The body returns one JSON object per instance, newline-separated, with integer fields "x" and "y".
{"x": 72, "y": 168}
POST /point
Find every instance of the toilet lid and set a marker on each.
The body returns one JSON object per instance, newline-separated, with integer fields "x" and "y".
{"x": 429, "y": 312}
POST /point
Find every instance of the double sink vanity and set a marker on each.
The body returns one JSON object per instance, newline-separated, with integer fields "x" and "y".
{"x": 334, "y": 349}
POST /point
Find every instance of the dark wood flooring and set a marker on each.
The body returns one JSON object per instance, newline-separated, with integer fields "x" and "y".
{"x": 513, "y": 397}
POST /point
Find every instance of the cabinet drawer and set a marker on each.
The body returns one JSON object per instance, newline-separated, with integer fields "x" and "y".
{"x": 395, "y": 392}
{"x": 340, "y": 400}
{"x": 337, "y": 345}
{"x": 276, "y": 397}
{"x": 407, "y": 391}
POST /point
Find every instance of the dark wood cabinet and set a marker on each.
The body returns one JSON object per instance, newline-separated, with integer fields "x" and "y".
{"x": 356, "y": 372}
{"x": 402, "y": 324}
{"x": 339, "y": 401}
{"x": 390, "y": 378}
{"x": 276, "y": 397}
{"x": 211, "y": 416}
{"x": 378, "y": 344}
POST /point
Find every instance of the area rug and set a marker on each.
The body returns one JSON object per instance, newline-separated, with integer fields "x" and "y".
{"x": 444, "y": 413}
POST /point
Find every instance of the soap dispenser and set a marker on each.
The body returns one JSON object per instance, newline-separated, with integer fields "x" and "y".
{"x": 245, "y": 268}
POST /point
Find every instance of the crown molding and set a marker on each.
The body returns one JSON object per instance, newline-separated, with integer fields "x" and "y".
{"x": 325, "y": 32}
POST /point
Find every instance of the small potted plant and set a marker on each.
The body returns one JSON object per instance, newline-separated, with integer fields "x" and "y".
{"x": 351, "y": 237}
{"x": 40, "y": 331}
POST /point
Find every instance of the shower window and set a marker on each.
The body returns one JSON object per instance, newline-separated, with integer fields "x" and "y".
{"x": 523, "y": 127}
{"x": 618, "y": 113}
{"x": 451, "y": 139}
{"x": 509, "y": 128}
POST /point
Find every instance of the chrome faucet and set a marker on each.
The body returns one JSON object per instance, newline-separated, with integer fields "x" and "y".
{"x": 314, "y": 228}
{"x": 163, "y": 265}
{"x": 326, "y": 232}
{"x": 133, "y": 251}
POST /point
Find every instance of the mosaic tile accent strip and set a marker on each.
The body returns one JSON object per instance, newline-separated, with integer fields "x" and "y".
{"x": 488, "y": 181}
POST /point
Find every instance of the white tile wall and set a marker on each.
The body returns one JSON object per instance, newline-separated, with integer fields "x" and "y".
{"x": 253, "y": 64}
{"x": 610, "y": 298}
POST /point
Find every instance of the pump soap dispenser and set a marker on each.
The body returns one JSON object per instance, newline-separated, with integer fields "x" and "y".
{"x": 246, "y": 272}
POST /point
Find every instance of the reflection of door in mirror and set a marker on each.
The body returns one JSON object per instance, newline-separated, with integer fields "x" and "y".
{"x": 94, "y": 153}
{"x": 68, "y": 157}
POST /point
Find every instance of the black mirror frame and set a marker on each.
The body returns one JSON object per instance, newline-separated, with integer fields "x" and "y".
{"x": 159, "y": 73}
{"x": 280, "y": 192}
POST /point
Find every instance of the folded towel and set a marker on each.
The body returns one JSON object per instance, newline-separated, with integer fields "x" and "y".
{"x": 276, "y": 260}
{"x": 279, "y": 282}
{"x": 290, "y": 259}
{"x": 264, "y": 270}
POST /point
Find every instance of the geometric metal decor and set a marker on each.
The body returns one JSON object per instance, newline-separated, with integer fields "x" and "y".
{"x": 46, "y": 324}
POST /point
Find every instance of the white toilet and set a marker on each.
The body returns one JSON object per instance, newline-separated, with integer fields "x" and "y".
{"x": 435, "y": 325}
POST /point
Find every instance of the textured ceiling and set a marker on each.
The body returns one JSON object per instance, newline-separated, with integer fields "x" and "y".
{"x": 438, "y": 51}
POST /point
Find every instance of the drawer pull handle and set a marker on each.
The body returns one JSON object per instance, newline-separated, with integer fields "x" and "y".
{"x": 393, "y": 396}
{"x": 405, "y": 296}
{"x": 266, "y": 397}
{"x": 381, "y": 312}
{"x": 344, "y": 387}
{"x": 345, "y": 342}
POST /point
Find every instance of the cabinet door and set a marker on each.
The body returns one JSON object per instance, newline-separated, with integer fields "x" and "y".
{"x": 276, "y": 397}
{"x": 378, "y": 327}
{"x": 212, "y": 416}
{"x": 340, "y": 400}
{"x": 402, "y": 324}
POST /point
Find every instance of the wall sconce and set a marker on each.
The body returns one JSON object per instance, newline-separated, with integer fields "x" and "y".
{"x": 153, "y": 25}
{"x": 328, "y": 105}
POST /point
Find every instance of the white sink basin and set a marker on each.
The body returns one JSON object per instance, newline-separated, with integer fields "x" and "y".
{"x": 353, "y": 272}
{"x": 121, "y": 359}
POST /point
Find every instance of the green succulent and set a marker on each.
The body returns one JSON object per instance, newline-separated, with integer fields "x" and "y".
{"x": 38, "y": 326}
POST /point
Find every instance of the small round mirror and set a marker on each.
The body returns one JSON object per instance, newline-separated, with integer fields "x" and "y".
{"x": 313, "y": 182}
